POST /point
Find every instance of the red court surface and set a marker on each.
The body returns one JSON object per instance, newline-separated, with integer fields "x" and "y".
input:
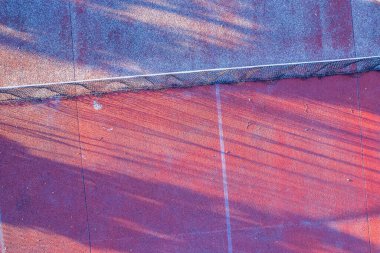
{"x": 290, "y": 166}
{"x": 370, "y": 90}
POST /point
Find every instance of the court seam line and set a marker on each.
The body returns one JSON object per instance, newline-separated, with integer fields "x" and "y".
{"x": 78, "y": 126}
{"x": 362, "y": 161}
{"x": 83, "y": 179}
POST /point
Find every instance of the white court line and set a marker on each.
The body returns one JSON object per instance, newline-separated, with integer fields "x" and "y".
{"x": 185, "y": 72}
{"x": 224, "y": 170}
{"x": 2, "y": 244}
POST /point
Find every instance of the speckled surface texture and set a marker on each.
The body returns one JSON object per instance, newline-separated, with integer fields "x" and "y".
{"x": 119, "y": 38}
{"x": 46, "y": 41}
{"x": 35, "y": 42}
{"x": 366, "y": 18}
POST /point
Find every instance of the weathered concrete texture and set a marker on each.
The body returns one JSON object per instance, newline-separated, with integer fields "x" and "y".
{"x": 35, "y": 42}
{"x": 125, "y": 38}
{"x": 366, "y": 17}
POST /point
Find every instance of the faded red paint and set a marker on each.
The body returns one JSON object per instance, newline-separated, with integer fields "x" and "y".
{"x": 65, "y": 29}
{"x": 153, "y": 178}
{"x": 339, "y": 24}
{"x": 80, "y": 6}
{"x": 41, "y": 198}
{"x": 314, "y": 42}
{"x": 294, "y": 166}
{"x": 370, "y": 110}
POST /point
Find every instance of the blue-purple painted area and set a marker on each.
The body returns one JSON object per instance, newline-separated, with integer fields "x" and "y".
{"x": 35, "y": 42}
{"x": 366, "y": 17}
{"x": 49, "y": 41}
{"x": 114, "y": 38}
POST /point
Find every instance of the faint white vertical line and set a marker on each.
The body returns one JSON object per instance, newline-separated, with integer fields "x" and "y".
{"x": 224, "y": 169}
{"x": 2, "y": 244}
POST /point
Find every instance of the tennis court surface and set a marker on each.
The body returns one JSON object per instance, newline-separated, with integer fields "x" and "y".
{"x": 291, "y": 166}
{"x": 190, "y": 126}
